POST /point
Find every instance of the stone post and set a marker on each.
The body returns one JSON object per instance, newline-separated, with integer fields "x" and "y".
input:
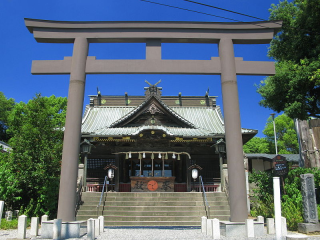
{"x": 225, "y": 176}
{"x": 284, "y": 230}
{"x": 44, "y": 218}
{"x": 90, "y": 229}
{"x": 81, "y": 175}
{"x": 310, "y": 213}
{"x": 22, "y": 226}
{"x": 9, "y": 215}
{"x": 72, "y": 133}
{"x": 236, "y": 173}
{"x": 222, "y": 181}
{"x": 16, "y": 213}
{"x": 209, "y": 227}
{"x": 203, "y": 224}
{"x": 260, "y": 219}
{"x": 34, "y": 226}
{"x": 96, "y": 227}
{"x": 250, "y": 228}
{"x": 101, "y": 222}
{"x": 57, "y": 226}
{"x": 1, "y": 210}
{"x": 215, "y": 228}
{"x": 270, "y": 226}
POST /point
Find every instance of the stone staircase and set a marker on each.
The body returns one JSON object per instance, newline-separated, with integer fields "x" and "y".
{"x": 153, "y": 209}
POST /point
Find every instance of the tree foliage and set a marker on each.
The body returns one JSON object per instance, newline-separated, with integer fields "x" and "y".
{"x": 257, "y": 145}
{"x": 287, "y": 140}
{"x": 5, "y": 107}
{"x": 295, "y": 89}
{"x": 34, "y": 163}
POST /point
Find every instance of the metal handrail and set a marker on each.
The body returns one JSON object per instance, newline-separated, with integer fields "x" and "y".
{"x": 105, "y": 183}
{"x": 205, "y": 201}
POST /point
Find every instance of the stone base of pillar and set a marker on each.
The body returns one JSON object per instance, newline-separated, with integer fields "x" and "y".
{"x": 308, "y": 227}
{"x": 68, "y": 229}
{"x": 238, "y": 229}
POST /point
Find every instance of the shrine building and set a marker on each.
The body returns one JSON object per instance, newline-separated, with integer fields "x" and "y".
{"x": 153, "y": 142}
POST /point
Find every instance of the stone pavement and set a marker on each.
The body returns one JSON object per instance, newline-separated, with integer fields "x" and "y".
{"x": 147, "y": 233}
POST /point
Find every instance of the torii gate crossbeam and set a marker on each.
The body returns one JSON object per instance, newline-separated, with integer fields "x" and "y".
{"x": 153, "y": 34}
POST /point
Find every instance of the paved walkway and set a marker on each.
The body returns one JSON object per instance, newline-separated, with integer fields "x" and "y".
{"x": 148, "y": 233}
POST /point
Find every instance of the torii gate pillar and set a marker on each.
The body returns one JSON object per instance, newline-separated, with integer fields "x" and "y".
{"x": 236, "y": 178}
{"x": 72, "y": 134}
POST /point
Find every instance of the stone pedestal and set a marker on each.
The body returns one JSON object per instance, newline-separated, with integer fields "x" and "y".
{"x": 238, "y": 229}
{"x": 308, "y": 227}
{"x": 68, "y": 229}
{"x": 297, "y": 237}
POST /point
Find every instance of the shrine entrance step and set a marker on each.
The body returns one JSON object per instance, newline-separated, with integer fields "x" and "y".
{"x": 154, "y": 209}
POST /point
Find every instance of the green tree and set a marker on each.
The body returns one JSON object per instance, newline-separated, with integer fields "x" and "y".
{"x": 257, "y": 145}
{"x": 287, "y": 140}
{"x": 34, "y": 163}
{"x": 6, "y": 106}
{"x": 294, "y": 88}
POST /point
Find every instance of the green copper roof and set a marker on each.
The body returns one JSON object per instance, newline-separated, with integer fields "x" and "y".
{"x": 207, "y": 122}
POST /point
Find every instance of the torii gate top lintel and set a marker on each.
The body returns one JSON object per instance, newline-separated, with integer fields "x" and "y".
{"x": 141, "y": 31}
{"x": 153, "y": 34}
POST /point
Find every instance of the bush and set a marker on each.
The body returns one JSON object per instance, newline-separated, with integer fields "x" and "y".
{"x": 291, "y": 197}
{"x": 11, "y": 224}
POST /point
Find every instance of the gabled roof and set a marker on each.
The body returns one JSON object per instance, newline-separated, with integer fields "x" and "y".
{"x": 155, "y": 102}
{"x": 5, "y": 147}
{"x": 269, "y": 157}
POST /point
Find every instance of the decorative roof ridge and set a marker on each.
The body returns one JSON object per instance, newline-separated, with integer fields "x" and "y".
{"x": 146, "y": 127}
{"x": 113, "y": 107}
{"x": 175, "y": 114}
{"x": 249, "y": 130}
{"x": 198, "y": 107}
{"x": 86, "y": 113}
{"x": 219, "y": 113}
{"x": 146, "y": 102}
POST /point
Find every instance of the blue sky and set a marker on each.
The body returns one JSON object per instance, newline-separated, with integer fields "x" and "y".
{"x": 18, "y": 48}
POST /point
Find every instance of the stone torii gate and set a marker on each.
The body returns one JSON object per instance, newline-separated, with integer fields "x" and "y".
{"x": 153, "y": 34}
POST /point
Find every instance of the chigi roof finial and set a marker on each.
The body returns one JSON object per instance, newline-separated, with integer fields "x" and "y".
{"x": 153, "y": 90}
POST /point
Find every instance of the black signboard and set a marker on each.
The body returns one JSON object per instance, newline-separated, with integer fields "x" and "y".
{"x": 280, "y": 166}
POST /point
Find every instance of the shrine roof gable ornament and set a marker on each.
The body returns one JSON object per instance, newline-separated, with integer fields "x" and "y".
{"x": 153, "y": 90}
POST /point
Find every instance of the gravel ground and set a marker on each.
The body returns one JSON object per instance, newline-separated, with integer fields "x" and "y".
{"x": 147, "y": 233}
